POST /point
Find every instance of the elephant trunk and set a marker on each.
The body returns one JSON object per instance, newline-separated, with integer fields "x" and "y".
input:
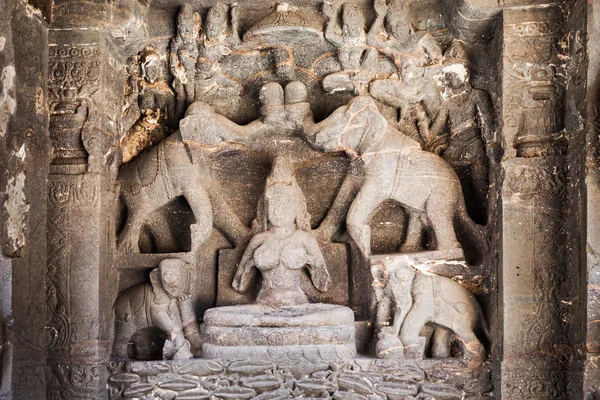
{"x": 473, "y": 237}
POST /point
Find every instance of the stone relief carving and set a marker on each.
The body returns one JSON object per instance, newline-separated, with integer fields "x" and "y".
{"x": 74, "y": 77}
{"x": 153, "y": 114}
{"x": 220, "y": 34}
{"x": 347, "y": 150}
{"x": 183, "y": 56}
{"x": 470, "y": 141}
{"x": 395, "y": 167}
{"x": 270, "y": 380}
{"x": 355, "y": 57}
{"x": 167, "y": 171}
{"x": 282, "y": 323}
{"x": 408, "y": 298}
{"x": 409, "y": 160}
{"x": 162, "y": 303}
{"x": 284, "y": 246}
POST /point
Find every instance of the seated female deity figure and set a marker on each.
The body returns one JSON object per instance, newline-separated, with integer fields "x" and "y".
{"x": 284, "y": 247}
{"x": 282, "y": 324}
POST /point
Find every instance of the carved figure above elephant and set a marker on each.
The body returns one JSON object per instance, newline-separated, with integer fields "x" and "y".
{"x": 396, "y": 168}
{"x": 408, "y": 299}
{"x": 163, "y": 303}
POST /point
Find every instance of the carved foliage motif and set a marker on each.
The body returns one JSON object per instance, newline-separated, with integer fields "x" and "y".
{"x": 204, "y": 379}
{"x": 538, "y": 382}
{"x": 62, "y": 196}
{"x": 75, "y": 381}
{"x": 540, "y": 187}
{"x": 85, "y": 376}
{"x": 74, "y": 72}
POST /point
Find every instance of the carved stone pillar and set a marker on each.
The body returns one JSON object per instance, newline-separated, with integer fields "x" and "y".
{"x": 534, "y": 261}
{"x": 75, "y": 251}
{"x": 81, "y": 104}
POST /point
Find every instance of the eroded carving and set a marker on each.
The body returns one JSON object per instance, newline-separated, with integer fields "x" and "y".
{"x": 183, "y": 57}
{"x": 153, "y": 113}
{"x": 392, "y": 34}
{"x": 285, "y": 246}
{"x": 409, "y": 297}
{"x": 220, "y": 33}
{"x": 356, "y": 59}
{"x": 162, "y": 303}
{"x": 396, "y": 168}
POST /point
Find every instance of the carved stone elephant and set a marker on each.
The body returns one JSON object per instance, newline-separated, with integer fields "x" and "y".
{"x": 163, "y": 303}
{"x": 408, "y": 299}
{"x": 396, "y": 169}
{"x": 168, "y": 170}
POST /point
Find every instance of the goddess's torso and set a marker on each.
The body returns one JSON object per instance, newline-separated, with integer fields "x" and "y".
{"x": 280, "y": 260}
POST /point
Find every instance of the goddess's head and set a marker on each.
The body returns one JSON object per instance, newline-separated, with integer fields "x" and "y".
{"x": 284, "y": 202}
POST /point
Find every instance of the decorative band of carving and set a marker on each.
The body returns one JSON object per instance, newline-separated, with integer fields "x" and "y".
{"x": 533, "y": 28}
{"x": 73, "y": 50}
{"x": 71, "y": 192}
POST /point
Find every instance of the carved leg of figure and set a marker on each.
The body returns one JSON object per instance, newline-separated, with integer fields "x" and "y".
{"x": 332, "y": 221}
{"x": 191, "y": 330}
{"x": 480, "y": 182}
{"x": 357, "y": 220}
{"x": 414, "y": 234}
{"x": 384, "y": 313}
{"x": 473, "y": 350}
{"x": 200, "y": 204}
{"x": 180, "y": 103}
{"x": 130, "y": 235}
{"x": 227, "y": 221}
{"x": 440, "y": 212}
{"x": 441, "y": 342}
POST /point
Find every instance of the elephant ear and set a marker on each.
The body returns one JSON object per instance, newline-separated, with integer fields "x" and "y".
{"x": 365, "y": 125}
{"x": 160, "y": 294}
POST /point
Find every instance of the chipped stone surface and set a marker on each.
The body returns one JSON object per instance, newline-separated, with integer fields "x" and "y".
{"x": 16, "y": 208}
{"x": 8, "y": 103}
